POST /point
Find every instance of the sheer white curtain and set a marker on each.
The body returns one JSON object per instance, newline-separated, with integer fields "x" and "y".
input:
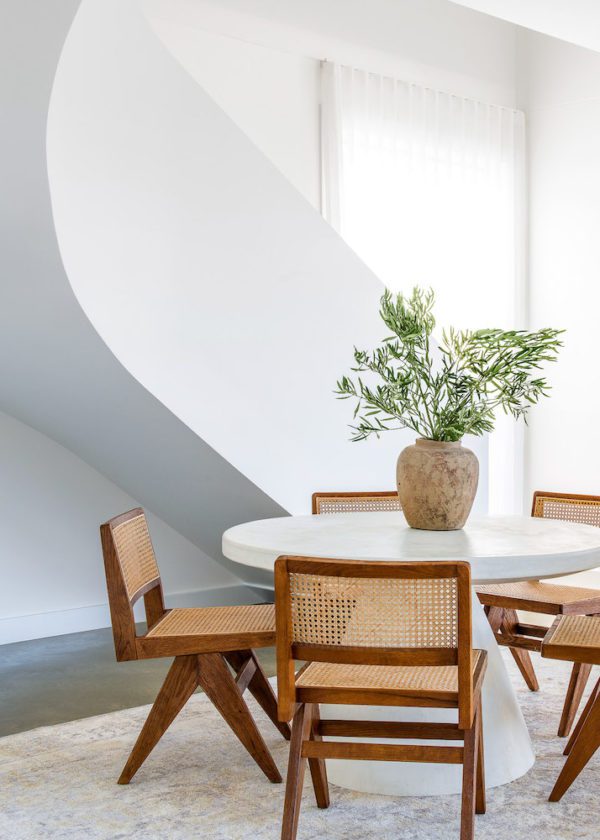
{"x": 428, "y": 188}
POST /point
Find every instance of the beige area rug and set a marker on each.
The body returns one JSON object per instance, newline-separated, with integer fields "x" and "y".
{"x": 59, "y": 782}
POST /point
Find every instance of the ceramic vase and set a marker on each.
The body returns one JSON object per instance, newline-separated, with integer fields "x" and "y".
{"x": 437, "y": 482}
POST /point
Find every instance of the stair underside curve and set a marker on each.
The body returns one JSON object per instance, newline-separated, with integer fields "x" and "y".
{"x": 213, "y": 281}
{"x": 56, "y": 373}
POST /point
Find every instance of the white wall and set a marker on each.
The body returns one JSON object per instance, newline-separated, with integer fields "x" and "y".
{"x": 260, "y": 60}
{"x": 140, "y": 216}
{"x": 212, "y": 280}
{"x": 272, "y": 95}
{"x": 51, "y": 565}
{"x": 239, "y": 49}
{"x": 577, "y": 21}
{"x": 431, "y": 42}
{"x": 560, "y": 89}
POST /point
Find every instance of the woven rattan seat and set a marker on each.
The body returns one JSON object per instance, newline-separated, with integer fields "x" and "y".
{"x": 574, "y": 637}
{"x": 557, "y": 598}
{"x": 214, "y": 621}
{"x": 401, "y": 679}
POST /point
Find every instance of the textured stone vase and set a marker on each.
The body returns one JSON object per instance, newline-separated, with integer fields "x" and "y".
{"x": 437, "y": 483}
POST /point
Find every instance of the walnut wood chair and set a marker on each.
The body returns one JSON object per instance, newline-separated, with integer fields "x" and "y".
{"x": 382, "y": 634}
{"x": 355, "y": 502}
{"x": 576, "y": 638}
{"x": 202, "y": 640}
{"x": 502, "y": 600}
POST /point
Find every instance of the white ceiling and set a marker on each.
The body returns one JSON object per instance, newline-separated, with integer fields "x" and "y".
{"x": 577, "y": 21}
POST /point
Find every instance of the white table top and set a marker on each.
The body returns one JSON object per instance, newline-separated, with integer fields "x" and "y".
{"x": 499, "y": 548}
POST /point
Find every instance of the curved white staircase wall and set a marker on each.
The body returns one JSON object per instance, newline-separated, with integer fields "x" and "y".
{"x": 211, "y": 279}
{"x": 58, "y": 377}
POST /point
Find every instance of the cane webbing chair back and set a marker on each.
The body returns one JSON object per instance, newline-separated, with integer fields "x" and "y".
{"x": 376, "y": 613}
{"x": 131, "y": 572}
{"x": 355, "y": 502}
{"x": 570, "y": 507}
{"x": 135, "y": 554}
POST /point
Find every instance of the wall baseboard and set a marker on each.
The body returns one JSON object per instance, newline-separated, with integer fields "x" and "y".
{"x": 21, "y": 628}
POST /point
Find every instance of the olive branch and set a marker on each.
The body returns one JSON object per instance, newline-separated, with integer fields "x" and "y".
{"x": 476, "y": 373}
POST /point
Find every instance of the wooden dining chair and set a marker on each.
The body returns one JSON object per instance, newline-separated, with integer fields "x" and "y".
{"x": 502, "y": 600}
{"x": 203, "y": 640}
{"x": 382, "y": 634}
{"x": 576, "y": 638}
{"x": 355, "y": 502}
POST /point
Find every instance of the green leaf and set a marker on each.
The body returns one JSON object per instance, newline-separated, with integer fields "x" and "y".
{"x": 480, "y": 372}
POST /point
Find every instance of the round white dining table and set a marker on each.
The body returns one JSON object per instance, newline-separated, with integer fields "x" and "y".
{"x": 499, "y": 548}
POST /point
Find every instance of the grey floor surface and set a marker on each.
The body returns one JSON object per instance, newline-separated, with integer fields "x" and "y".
{"x": 47, "y": 681}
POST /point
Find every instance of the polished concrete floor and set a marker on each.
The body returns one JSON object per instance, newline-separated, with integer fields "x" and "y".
{"x": 63, "y": 678}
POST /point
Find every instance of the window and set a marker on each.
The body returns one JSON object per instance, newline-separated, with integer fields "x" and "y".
{"x": 428, "y": 189}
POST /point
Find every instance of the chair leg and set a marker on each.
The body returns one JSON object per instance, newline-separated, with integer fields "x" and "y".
{"x": 583, "y": 749}
{"x": 582, "y": 717}
{"x": 525, "y": 666}
{"x": 579, "y": 677}
{"x": 495, "y": 616}
{"x": 318, "y": 771}
{"x": 260, "y": 688}
{"x": 179, "y": 685}
{"x": 218, "y": 684}
{"x": 301, "y": 726}
{"x": 480, "y": 803}
{"x": 521, "y": 657}
{"x": 469, "y": 783}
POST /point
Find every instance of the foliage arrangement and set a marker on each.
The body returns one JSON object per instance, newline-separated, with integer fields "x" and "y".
{"x": 446, "y": 392}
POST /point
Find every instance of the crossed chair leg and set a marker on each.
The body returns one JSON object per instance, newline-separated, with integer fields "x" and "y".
{"x": 307, "y": 745}
{"x": 582, "y": 745}
{"x": 210, "y": 672}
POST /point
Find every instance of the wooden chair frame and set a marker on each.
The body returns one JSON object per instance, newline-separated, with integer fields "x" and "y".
{"x": 200, "y": 661}
{"x": 585, "y": 738}
{"x": 522, "y": 638}
{"x": 302, "y": 704}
